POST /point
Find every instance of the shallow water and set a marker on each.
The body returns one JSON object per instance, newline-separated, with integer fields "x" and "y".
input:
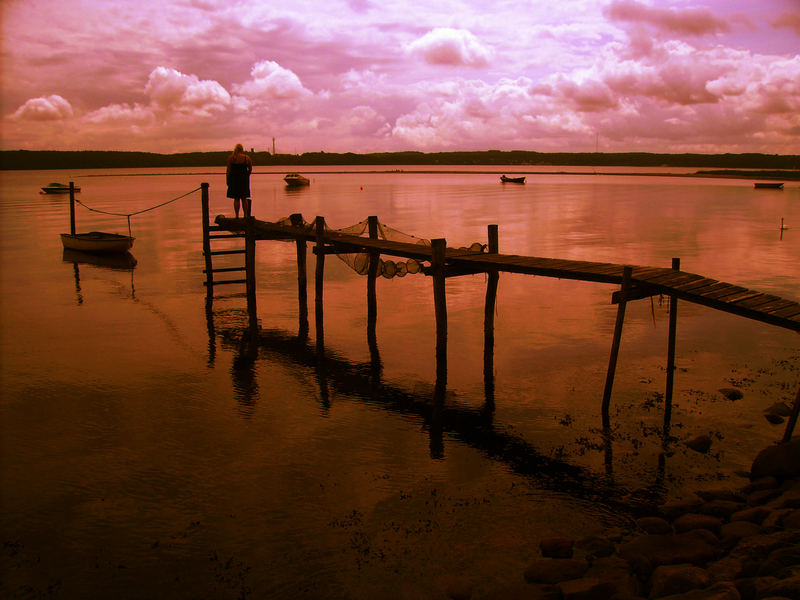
{"x": 148, "y": 450}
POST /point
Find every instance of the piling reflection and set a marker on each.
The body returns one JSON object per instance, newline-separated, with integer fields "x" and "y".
{"x": 440, "y": 415}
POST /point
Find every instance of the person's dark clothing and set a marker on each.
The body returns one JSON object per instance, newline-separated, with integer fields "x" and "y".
{"x": 238, "y": 178}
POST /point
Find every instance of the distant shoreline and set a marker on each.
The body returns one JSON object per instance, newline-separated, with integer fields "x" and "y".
{"x": 519, "y": 159}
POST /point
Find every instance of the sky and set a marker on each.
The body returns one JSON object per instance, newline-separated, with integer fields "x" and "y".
{"x": 167, "y": 76}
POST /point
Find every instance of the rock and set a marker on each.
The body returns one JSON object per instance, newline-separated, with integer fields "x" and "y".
{"x": 792, "y": 520}
{"x": 781, "y": 461}
{"x": 555, "y": 570}
{"x": 780, "y": 409}
{"x": 721, "y": 508}
{"x": 784, "y": 588}
{"x": 701, "y": 444}
{"x": 556, "y": 547}
{"x": 775, "y": 520}
{"x": 755, "y": 514}
{"x": 774, "y": 419}
{"x": 586, "y": 588}
{"x": 759, "y": 546}
{"x": 789, "y": 499}
{"x": 691, "y": 521}
{"x": 595, "y": 546}
{"x": 731, "y": 393}
{"x": 725, "y": 569}
{"x": 524, "y": 591}
{"x": 779, "y": 560}
{"x": 615, "y": 571}
{"x": 654, "y": 525}
{"x": 762, "y": 496}
{"x": 765, "y": 483}
{"x": 691, "y": 547}
{"x": 732, "y": 532}
{"x": 677, "y": 579}
{"x": 718, "y": 591}
{"x": 670, "y": 510}
{"x": 721, "y": 494}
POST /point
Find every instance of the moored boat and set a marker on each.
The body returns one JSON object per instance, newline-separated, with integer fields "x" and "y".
{"x": 295, "y": 179}
{"x": 768, "y": 185}
{"x": 505, "y": 179}
{"x": 97, "y": 241}
{"x": 58, "y": 188}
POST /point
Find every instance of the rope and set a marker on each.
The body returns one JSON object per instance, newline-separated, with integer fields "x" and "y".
{"x": 138, "y": 212}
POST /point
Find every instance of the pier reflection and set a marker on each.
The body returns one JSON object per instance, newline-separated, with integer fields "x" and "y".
{"x": 337, "y": 376}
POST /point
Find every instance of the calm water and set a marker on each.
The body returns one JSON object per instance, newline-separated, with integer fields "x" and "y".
{"x": 148, "y": 451}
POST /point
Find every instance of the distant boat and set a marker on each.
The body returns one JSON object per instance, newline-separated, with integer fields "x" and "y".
{"x": 505, "y": 179}
{"x": 97, "y": 241}
{"x": 58, "y": 188}
{"x": 768, "y": 185}
{"x": 295, "y": 179}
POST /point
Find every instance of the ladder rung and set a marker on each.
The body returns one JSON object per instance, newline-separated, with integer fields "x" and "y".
{"x": 226, "y": 252}
{"x": 224, "y": 281}
{"x": 225, "y": 269}
{"x": 215, "y": 228}
{"x": 225, "y": 236}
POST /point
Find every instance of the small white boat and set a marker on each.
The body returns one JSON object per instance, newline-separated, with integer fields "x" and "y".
{"x": 295, "y": 179}
{"x": 58, "y": 188}
{"x": 97, "y": 241}
{"x": 768, "y": 185}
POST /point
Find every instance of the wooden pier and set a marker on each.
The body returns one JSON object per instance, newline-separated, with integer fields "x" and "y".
{"x": 636, "y": 282}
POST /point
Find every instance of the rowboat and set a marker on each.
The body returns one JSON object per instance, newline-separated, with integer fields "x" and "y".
{"x": 295, "y": 179}
{"x": 58, "y": 188}
{"x": 768, "y": 185}
{"x": 505, "y": 179}
{"x": 97, "y": 241}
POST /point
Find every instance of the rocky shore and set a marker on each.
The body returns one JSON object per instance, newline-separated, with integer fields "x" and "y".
{"x": 724, "y": 544}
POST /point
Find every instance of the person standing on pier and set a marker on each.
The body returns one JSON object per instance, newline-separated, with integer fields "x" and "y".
{"x": 237, "y": 176}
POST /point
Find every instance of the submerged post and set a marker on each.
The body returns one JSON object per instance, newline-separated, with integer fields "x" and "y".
{"x": 673, "y": 321}
{"x": 302, "y": 278}
{"x": 206, "y": 240}
{"x": 318, "y": 279}
{"x": 612, "y": 361}
{"x": 439, "y": 300}
{"x": 250, "y": 263}
{"x": 72, "y": 207}
{"x": 372, "y": 297}
{"x": 488, "y": 321}
{"x": 787, "y": 435}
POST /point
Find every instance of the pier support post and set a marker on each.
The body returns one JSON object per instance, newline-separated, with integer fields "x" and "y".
{"x": 787, "y": 434}
{"x": 318, "y": 280}
{"x": 612, "y": 361}
{"x": 250, "y": 265}
{"x": 488, "y": 323}
{"x": 72, "y": 207}
{"x": 302, "y": 278}
{"x": 439, "y": 299}
{"x": 207, "y": 240}
{"x": 372, "y": 297}
{"x": 673, "y": 322}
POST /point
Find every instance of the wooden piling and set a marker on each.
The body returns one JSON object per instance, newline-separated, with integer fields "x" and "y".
{"x": 612, "y": 361}
{"x": 318, "y": 279}
{"x": 787, "y": 434}
{"x": 438, "y": 247}
{"x": 250, "y": 264}
{"x": 72, "y": 207}
{"x": 207, "y": 240}
{"x": 488, "y": 322}
{"x": 302, "y": 277}
{"x": 673, "y": 322}
{"x": 372, "y": 297}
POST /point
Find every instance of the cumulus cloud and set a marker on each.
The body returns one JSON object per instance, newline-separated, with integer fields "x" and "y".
{"x": 451, "y": 47}
{"x": 120, "y": 113}
{"x": 689, "y": 21}
{"x": 270, "y": 81}
{"x": 49, "y": 108}
{"x": 172, "y": 90}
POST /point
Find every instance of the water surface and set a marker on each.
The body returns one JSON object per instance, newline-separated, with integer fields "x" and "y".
{"x": 150, "y": 450}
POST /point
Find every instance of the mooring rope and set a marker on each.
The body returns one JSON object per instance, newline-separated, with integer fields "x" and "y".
{"x": 138, "y": 212}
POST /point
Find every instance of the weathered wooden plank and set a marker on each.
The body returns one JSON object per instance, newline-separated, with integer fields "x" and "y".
{"x": 761, "y": 300}
{"x": 727, "y": 289}
{"x": 696, "y": 286}
{"x": 788, "y": 312}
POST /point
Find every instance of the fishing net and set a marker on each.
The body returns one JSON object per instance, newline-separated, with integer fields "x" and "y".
{"x": 397, "y": 267}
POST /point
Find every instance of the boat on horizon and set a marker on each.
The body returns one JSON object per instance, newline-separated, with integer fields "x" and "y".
{"x": 98, "y": 242}
{"x": 768, "y": 185}
{"x": 58, "y": 188}
{"x": 295, "y": 179}
{"x": 505, "y": 179}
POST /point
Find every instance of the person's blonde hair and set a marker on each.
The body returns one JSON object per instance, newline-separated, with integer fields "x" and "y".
{"x": 238, "y": 149}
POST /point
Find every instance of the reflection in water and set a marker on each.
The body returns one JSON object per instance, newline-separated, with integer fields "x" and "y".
{"x": 362, "y": 381}
{"x": 114, "y": 262}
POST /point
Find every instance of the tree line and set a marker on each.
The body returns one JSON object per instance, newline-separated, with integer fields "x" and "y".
{"x": 97, "y": 159}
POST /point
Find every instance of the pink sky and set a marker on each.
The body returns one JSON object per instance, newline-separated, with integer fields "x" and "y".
{"x": 388, "y": 75}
